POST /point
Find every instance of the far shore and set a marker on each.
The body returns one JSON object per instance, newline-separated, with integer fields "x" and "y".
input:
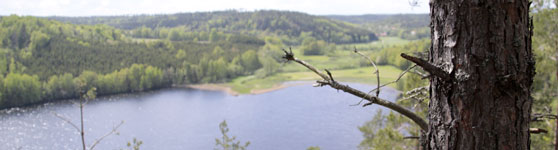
{"x": 227, "y": 89}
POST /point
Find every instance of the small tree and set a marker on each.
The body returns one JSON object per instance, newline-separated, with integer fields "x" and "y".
{"x": 226, "y": 142}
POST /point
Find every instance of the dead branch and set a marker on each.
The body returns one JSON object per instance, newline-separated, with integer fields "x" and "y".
{"x": 289, "y": 56}
{"x": 537, "y": 130}
{"x": 114, "y": 129}
{"x": 411, "y": 137}
{"x": 433, "y": 70}
{"x": 540, "y": 117}
{"x": 377, "y": 72}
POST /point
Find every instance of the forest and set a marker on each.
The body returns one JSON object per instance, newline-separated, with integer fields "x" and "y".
{"x": 291, "y": 27}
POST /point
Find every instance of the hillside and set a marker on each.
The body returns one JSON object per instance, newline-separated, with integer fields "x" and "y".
{"x": 265, "y": 22}
{"x": 45, "y": 60}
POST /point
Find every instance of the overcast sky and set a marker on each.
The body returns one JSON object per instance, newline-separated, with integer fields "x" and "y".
{"x": 132, "y": 7}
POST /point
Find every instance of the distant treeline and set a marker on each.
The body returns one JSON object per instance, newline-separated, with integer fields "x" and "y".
{"x": 405, "y": 26}
{"x": 288, "y": 25}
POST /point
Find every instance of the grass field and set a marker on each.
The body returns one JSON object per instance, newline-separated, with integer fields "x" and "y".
{"x": 343, "y": 63}
{"x": 359, "y": 75}
{"x": 376, "y": 45}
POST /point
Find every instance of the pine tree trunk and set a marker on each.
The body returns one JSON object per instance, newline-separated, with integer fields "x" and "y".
{"x": 485, "y": 46}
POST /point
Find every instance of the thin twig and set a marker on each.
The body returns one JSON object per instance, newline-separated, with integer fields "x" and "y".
{"x": 416, "y": 90}
{"x": 372, "y": 99}
{"x": 383, "y": 85}
{"x": 359, "y": 102}
{"x": 396, "y": 80}
{"x": 375, "y": 67}
{"x": 329, "y": 74}
{"x": 81, "y": 118}
{"x": 423, "y": 75}
{"x": 66, "y": 120}
{"x": 411, "y": 137}
{"x": 114, "y": 129}
{"x": 538, "y": 116}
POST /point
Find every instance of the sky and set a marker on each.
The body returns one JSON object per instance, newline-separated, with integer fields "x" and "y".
{"x": 135, "y": 7}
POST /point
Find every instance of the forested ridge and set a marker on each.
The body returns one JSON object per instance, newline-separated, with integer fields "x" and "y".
{"x": 292, "y": 27}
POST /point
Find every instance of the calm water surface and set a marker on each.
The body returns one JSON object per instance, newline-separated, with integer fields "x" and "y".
{"x": 291, "y": 118}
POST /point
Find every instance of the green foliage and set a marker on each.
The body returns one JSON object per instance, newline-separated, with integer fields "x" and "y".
{"x": 387, "y": 131}
{"x": 90, "y": 94}
{"x": 382, "y": 132}
{"x": 545, "y": 48}
{"x": 211, "y": 26}
{"x": 134, "y": 145}
{"x": 270, "y": 56}
{"x": 250, "y": 61}
{"x": 20, "y": 89}
{"x": 405, "y": 26}
{"x": 38, "y": 40}
{"x": 310, "y": 46}
{"x": 391, "y": 55}
{"x": 313, "y": 148}
{"x": 61, "y": 87}
{"x": 226, "y": 142}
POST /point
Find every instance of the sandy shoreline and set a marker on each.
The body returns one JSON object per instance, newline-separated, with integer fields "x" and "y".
{"x": 230, "y": 91}
{"x": 212, "y": 87}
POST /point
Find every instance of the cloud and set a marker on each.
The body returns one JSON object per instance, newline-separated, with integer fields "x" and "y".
{"x": 130, "y": 7}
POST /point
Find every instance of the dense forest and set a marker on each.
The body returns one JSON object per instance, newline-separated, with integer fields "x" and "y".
{"x": 292, "y": 27}
{"x": 46, "y": 60}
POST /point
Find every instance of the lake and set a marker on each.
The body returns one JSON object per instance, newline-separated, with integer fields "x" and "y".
{"x": 292, "y": 118}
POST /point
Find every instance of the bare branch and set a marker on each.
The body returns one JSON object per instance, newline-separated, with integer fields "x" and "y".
{"x": 433, "y": 70}
{"x": 67, "y": 121}
{"x": 372, "y": 99}
{"x": 329, "y": 74}
{"x": 537, "y": 130}
{"x": 423, "y": 75}
{"x": 411, "y": 137}
{"x": 81, "y": 118}
{"x": 114, "y": 129}
{"x": 357, "y": 103}
{"x": 539, "y": 117}
{"x": 377, "y": 71}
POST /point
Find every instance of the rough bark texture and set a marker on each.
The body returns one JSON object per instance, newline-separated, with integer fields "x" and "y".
{"x": 485, "y": 47}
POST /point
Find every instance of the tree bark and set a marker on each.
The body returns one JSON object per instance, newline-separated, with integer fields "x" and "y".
{"x": 485, "y": 47}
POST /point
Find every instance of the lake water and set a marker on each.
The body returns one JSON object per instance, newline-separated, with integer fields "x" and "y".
{"x": 292, "y": 118}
